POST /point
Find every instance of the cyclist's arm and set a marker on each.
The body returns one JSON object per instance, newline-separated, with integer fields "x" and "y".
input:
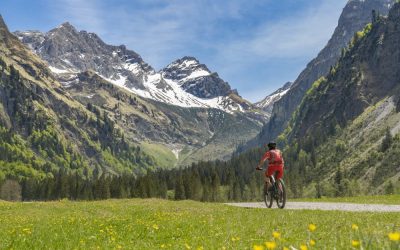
{"x": 265, "y": 157}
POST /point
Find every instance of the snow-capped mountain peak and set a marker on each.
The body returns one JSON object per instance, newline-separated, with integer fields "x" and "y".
{"x": 185, "y": 69}
{"x": 185, "y": 82}
{"x": 268, "y": 102}
{"x": 195, "y": 78}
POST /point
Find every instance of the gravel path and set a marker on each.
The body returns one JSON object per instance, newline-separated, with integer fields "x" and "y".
{"x": 326, "y": 206}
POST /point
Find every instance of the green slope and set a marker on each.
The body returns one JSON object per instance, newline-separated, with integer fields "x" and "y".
{"x": 43, "y": 130}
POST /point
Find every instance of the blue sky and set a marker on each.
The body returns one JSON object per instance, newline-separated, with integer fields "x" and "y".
{"x": 256, "y": 46}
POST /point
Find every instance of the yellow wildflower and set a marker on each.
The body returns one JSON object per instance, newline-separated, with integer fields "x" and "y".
{"x": 162, "y": 246}
{"x": 187, "y": 246}
{"x": 258, "y": 247}
{"x": 235, "y": 239}
{"x": 155, "y": 226}
{"x": 355, "y": 243}
{"x": 270, "y": 244}
{"x": 303, "y": 247}
{"x": 354, "y": 227}
{"x": 312, "y": 242}
{"x": 312, "y": 227}
{"x": 200, "y": 248}
{"x": 276, "y": 235}
{"x": 394, "y": 236}
{"x": 119, "y": 247}
{"x": 285, "y": 248}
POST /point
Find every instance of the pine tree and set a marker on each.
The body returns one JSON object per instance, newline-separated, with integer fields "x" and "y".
{"x": 338, "y": 183}
{"x": 179, "y": 189}
{"x": 387, "y": 140}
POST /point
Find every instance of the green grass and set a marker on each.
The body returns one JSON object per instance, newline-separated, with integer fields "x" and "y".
{"x": 163, "y": 155}
{"x": 159, "y": 224}
{"x": 377, "y": 199}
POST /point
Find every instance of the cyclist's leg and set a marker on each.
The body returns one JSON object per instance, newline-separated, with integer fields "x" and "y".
{"x": 278, "y": 176}
{"x": 268, "y": 173}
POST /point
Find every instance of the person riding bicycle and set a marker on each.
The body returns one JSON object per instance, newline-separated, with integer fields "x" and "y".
{"x": 275, "y": 163}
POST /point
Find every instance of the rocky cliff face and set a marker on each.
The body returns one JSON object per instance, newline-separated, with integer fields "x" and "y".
{"x": 348, "y": 123}
{"x": 69, "y": 51}
{"x": 364, "y": 75}
{"x": 355, "y": 15}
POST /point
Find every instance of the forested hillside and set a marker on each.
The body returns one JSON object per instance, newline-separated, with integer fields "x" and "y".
{"x": 355, "y": 15}
{"x": 44, "y": 131}
{"x": 346, "y": 128}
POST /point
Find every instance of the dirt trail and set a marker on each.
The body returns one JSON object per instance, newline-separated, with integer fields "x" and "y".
{"x": 325, "y": 206}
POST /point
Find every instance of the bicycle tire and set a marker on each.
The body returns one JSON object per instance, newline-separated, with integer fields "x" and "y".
{"x": 268, "y": 196}
{"x": 281, "y": 198}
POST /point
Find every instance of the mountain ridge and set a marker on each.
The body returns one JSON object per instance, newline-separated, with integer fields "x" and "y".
{"x": 356, "y": 14}
{"x": 346, "y": 130}
{"x": 191, "y": 86}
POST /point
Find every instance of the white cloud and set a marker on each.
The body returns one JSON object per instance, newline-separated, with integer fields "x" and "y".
{"x": 83, "y": 13}
{"x": 301, "y": 35}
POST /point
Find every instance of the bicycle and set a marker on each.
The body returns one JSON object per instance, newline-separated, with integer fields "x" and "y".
{"x": 277, "y": 191}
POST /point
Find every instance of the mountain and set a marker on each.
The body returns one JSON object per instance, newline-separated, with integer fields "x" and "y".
{"x": 181, "y": 114}
{"x": 356, "y": 14}
{"x": 176, "y": 135}
{"x": 346, "y": 130}
{"x": 267, "y": 103}
{"x": 44, "y": 131}
{"x": 185, "y": 82}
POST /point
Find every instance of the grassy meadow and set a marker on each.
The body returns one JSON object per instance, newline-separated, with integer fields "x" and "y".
{"x": 161, "y": 224}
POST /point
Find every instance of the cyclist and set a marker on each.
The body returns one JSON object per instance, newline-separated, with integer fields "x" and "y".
{"x": 275, "y": 163}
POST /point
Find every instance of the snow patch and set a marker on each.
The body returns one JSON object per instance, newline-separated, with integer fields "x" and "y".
{"x": 271, "y": 99}
{"x": 176, "y": 152}
{"x": 174, "y": 94}
{"x": 117, "y": 80}
{"x": 196, "y": 74}
{"x": 133, "y": 67}
{"x": 58, "y": 71}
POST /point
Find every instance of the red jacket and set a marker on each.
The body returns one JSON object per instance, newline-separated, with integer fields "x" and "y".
{"x": 274, "y": 158}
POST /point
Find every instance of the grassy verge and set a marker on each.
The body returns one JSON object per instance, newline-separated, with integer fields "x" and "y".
{"x": 160, "y": 224}
{"x": 378, "y": 199}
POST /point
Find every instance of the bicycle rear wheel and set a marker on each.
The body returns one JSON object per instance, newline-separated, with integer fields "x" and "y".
{"x": 281, "y": 194}
{"x": 268, "y": 196}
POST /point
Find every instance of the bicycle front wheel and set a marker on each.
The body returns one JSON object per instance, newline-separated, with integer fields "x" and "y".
{"x": 281, "y": 197}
